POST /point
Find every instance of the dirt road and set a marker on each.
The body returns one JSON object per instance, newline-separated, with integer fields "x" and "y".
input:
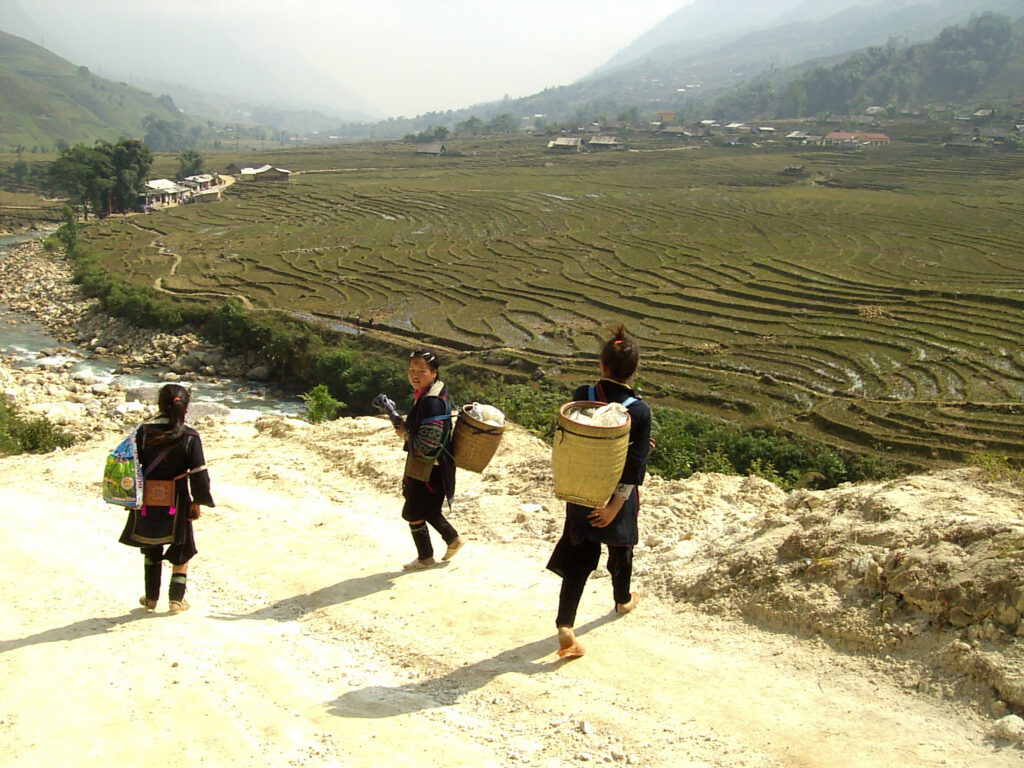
{"x": 308, "y": 646}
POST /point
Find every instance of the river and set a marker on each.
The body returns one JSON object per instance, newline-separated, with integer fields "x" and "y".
{"x": 24, "y": 339}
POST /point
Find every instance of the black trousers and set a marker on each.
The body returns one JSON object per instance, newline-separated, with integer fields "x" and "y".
{"x": 574, "y": 579}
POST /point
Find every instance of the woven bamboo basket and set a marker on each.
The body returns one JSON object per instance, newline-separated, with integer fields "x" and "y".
{"x": 587, "y": 460}
{"x": 475, "y": 442}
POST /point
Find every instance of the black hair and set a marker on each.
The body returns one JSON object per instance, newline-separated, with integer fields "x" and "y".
{"x": 428, "y": 356}
{"x": 172, "y": 402}
{"x": 620, "y": 355}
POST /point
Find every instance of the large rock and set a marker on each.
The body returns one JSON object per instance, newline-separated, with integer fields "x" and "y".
{"x": 197, "y": 411}
{"x": 259, "y": 373}
{"x": 63, "y": 414}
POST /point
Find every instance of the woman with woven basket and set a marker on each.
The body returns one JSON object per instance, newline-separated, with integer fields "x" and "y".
{"x": 615, "y": 524}
{"x": 176, "y": 483}
{"x": 429, "y": 478}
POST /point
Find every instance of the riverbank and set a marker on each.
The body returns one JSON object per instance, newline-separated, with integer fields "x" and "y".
{"x": 39, "y": 286}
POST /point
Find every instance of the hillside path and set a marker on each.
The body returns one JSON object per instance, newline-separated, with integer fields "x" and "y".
{"x": 307, "y": 645}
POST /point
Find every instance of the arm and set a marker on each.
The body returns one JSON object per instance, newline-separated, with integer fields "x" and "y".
{"x": 634, "y": 470}
{"x": 199, "y": 477}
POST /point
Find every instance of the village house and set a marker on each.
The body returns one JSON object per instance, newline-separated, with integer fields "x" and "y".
{"x": 235, "y": 169}
{"x": 434, "y": 148}
{"x": 565, "y": 144}
{"x": 967, "y": 142}
{"x": 998, "y": 135}
{"x": 265, "y": 173}
{"x": 846, "y": 138}
{"x": 163, "y": 193}
{"x": 604, "y": 142}
{"x": 203, "y": 188}
{"x": 200, "y": 182}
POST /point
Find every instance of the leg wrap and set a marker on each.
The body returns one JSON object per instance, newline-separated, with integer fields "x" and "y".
{"x": 177, "y": 589}
{"x": 421, "y": 538}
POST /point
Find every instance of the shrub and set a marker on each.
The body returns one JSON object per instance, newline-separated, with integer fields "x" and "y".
{"x": 357, "y": 376}
{"x": 996, "y": 468}
{"x": 320, "y": 406}
{"x": 25, "y": 435}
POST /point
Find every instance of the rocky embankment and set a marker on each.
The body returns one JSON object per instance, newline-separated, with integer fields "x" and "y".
{"x": 39, "y": 286}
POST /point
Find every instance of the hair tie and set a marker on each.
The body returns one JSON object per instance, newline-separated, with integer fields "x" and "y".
{"x": 176, "y": 400}
{"x": 618, "y": 341}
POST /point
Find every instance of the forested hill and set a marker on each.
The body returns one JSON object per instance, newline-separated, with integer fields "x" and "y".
{"x": 979, "y": 63}
{"x": 713, "y": 55}
{"x": 48, "y": 101}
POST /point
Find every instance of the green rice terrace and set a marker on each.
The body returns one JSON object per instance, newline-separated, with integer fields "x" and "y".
{"x": 871, "y": 299}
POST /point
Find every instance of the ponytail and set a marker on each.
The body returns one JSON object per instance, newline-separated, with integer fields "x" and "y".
{"x": 620, "y": 355}
{"x": 173, "y": 404}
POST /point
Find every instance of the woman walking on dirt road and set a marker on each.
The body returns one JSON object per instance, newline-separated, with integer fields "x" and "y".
{"x": 615, "y": 524}
{"x": 172, "y": 453}
{"x": 429, "y": 478}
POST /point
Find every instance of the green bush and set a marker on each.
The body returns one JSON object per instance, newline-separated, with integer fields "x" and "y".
{"x": 25, "y": 435}
{"x": 320, "y": 406}
{"x": 357, "y": 376}
{"x": 690, "y": 442}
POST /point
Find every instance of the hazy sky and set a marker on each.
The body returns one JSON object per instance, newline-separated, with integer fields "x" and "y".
{"x": 405, "y": 57}
{"x": 452, "y": 53}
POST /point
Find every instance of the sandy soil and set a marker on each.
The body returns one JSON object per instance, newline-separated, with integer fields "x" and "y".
{"x": 308, "y": 646}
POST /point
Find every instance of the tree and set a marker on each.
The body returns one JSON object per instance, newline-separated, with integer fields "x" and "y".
{"x": 504, "y": 123}
{"x": 68, "y": 232}
{"x": 470, "y": 126}
{"x": 83, "y": 174}
{"x": 130, "y": 163}
{"x": 190, "y": 163}
{"x": 105, "y": 178}
{"x": 163, "y": 135}
{"x": 20, "y": 170}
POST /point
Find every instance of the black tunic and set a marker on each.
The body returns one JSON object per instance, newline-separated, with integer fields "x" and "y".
{"x": 157, "y": 526}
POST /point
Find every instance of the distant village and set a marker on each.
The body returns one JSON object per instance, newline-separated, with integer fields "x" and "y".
{"x": 975, "y": 131}
{"x": 205, "y": 187}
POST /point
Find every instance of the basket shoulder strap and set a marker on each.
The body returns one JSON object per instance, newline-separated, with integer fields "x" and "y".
{"x": 596, "y": 394}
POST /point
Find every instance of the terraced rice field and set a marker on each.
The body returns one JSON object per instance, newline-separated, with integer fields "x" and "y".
{"x": 876, "y": 304}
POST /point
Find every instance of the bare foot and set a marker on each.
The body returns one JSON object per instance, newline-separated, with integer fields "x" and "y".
{"x": 568, "y": 648}
{"x": 623, "y": 608}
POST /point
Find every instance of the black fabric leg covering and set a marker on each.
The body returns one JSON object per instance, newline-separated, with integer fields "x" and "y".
{"x": 421, "y": 538}
{"x": 620, "y": 566}
{"x": 569, "y": 600}
{"x": 177, "y": 589}
{"x": 152, "y": 570}
{"x": 443, "y": 527}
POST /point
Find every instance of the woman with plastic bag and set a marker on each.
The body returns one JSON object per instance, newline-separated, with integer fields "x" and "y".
{"x": 176, "y": 484}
